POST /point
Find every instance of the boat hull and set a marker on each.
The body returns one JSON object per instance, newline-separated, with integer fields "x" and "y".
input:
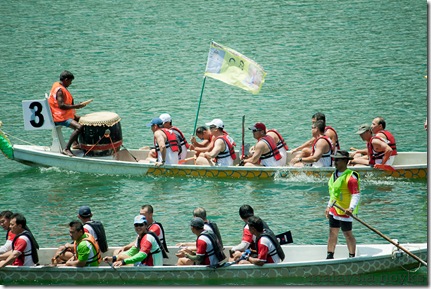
{"x": 131, "y": 163}
{"x": 370, "y": 258}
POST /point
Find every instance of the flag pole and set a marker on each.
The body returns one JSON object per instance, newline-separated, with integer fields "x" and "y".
{"x": 199, "y": 106}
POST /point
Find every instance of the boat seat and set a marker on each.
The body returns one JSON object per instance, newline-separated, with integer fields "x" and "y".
{"x": 58, "y": 144}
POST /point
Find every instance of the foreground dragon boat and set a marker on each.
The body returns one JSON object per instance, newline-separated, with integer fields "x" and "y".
{"x": 101, "y": 151}
{"x": 302, "y": 261}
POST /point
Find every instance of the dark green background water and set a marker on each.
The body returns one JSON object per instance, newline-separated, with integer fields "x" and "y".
{"x": 352, "y": 60}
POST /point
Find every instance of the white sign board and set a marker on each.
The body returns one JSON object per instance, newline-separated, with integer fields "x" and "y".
{"x": 37, "y": 114}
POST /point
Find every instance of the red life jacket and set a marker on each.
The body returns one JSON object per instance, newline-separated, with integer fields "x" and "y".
{"x": 183, "y": 140}
{"x": 231, "y": 150}
{"x": 171, "y": 141}
{"x": 329, "y": 142}
{"x": 281, "y": 143}
{"x": 273, "y": 150}
{"x": 337, "y": 143}
{"x": 373, "y": 154}
{"x": 391, "y": 141}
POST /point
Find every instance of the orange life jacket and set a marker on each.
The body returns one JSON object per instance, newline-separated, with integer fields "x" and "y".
{"x": 93, "y": 242}
{"x": 59, "y": 114}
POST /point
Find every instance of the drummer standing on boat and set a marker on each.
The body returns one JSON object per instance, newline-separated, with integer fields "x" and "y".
{"x": 63, "y": 108}
{"x": 344, "y": 190}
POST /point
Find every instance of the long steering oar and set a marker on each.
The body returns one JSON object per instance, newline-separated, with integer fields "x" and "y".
{"x": 383, "y": 236}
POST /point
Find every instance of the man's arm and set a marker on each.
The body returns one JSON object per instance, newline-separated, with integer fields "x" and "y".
{"x": 76, "y": 263}
{"x": 321, "y": 146}
{"x": 202, "y": 144}
{"x": 307, "y": 144}
{"x": 62, "y": 105}
{"x": 219, "y": 146}
{"x": 381, "y": 146}
{"x": 6, "y": 247}
{"x": 160, "y": 139}
{"x": 10, "y": 258}
{"x": 255, "y": 261}
{"x": 258, "y": 151}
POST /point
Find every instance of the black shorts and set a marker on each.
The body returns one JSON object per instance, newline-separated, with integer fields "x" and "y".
{"x": 345, "y": 226}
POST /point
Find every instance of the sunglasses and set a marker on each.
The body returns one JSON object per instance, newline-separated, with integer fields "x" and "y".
{"x": 139, "y": 225}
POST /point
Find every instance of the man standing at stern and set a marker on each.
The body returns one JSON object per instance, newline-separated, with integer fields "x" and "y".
{"x": 344, "y": 190}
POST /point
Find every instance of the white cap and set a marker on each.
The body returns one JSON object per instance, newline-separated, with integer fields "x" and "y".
{"x": 216, "y": 122}
{"x": 165, "y": 117}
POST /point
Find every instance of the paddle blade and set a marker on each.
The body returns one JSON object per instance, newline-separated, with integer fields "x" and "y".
{"x": 285, "y": 238}
{"x": 384, "y": 167}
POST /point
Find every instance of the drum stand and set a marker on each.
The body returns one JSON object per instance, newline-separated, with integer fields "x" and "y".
{"x": 58, "y": 143}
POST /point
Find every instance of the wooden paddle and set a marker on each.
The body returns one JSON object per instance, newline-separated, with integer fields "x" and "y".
{"x": 243, "y": 133}
{"x": 383, "y": 236}
{"x": 180, "y": 162}
{"x": 284, "y": 238}
{"x": 130, "y": 154}
{"x": 241, "y": 161}
{"x": 115, "y": 269}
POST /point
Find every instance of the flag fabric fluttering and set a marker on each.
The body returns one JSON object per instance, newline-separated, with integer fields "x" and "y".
{"x": 231, "y": 67}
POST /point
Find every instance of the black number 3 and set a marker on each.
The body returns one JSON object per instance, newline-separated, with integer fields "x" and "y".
{"x": 37, "y": 114}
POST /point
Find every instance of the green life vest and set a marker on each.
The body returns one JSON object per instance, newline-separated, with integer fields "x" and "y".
{"x": 339, "y": 190}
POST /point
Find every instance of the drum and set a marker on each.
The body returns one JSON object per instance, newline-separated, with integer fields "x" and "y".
{"x": 101, "y": 134}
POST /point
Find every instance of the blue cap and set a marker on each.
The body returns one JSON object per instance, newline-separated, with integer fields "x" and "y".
{"x": 154, "y": 121}
{"x": 84, "y": 211}
{"x": 140, "y": 219}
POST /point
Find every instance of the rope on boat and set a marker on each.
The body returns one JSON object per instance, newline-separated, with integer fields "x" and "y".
{"x": 106, "y": 135}
{"x": 17, "y": 138}
{"x": 396, "y": 253}
{"x": 412, "y": 270}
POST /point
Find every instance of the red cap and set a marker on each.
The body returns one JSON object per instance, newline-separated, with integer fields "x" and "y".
{"x": 258, "y": 126}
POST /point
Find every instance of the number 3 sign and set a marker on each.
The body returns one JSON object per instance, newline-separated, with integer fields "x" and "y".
{"x": 37, "y": 114}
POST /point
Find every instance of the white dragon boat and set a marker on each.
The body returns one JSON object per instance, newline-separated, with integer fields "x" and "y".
{"x": 101, "y": 151}
{"x": 302, "y": 261}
